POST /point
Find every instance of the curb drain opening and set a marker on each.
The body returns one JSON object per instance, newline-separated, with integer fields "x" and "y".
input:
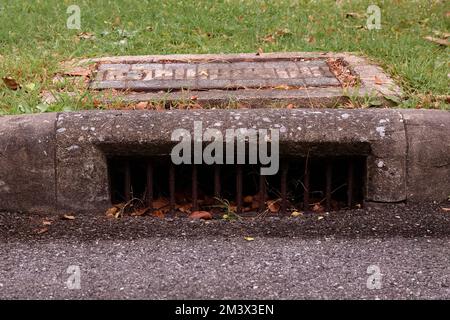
{"x": 309, "y": 184}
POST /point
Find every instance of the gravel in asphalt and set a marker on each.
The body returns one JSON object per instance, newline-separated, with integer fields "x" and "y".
{"x": 288, "y": 258}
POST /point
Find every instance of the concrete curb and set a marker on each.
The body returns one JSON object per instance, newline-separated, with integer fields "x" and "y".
{"x": 57, "y": 162}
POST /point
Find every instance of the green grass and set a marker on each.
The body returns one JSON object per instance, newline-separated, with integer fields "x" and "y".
{"x": 34, "y": 38}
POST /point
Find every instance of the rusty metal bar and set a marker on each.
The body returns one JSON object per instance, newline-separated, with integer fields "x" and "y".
{"x": 194, "y": 188}
{"x": 216, "y": 180}
{"x": 283, "y": 186}
{"x": 127, "y": 181}
{"x": 350, "y": 175}
{"x": 239, "y": 188}
{"x": 306, "y": 187}
{"x": 149, "y": 195}
{"x": 329, "y": 178}
{"x": 172, "y": 187}
{"x": 262, "y": 193}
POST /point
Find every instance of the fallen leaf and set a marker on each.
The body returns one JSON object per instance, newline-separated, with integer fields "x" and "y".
{"x": 318, "y": 208}
{"x": 201, "y": 215}
{"x": 442, "y": 42}
{"x": 282, "y": 32}
{"x": 269, "y": 38}
{"x": 378, "y": 80}
{"x": 46, "y": 222}
{"x": 296, "y": 213}
{"x": 42, "y": 230}
{"x": 111, "y": 212}
{"x": 249, "y": 238}
{"x": 194, "y": 98}
{"x": 68, "y": 217}
{"x": 259, "y": 52}
{"x": 160, "y": 203}
{"x": 185, "y": 208}
{"x": 203, "y": 73}
{"x": 158, "y": 213}
{"x": 273, "y": 206}
{"x": 281, "y": 87}
{"x": 11, "y": 83}
{"x": 353, "y": 15}
{"x": 311, "y": 39}
{"x": 140, "y": 212}
{"x": 85, "y": 35}
{"x": 446, "y": 209}
{"x": 141, "y": 105}
{"x": 319, "y": 218}
{"x": 290, "y": 106}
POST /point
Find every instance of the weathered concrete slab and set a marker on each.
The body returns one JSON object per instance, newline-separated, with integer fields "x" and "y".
{"x": 27, "y": 167}
{"x": 57, "y": 162}
{"x": 92, "y": 135}
{"x": 221, "y": 79}
{"x": 428, "y": 162}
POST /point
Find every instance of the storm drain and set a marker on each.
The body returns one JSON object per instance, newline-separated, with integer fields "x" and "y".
{"x": 308, "y": 184}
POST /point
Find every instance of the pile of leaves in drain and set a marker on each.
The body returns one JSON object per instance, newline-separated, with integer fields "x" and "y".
{"x": 213, "y": 207}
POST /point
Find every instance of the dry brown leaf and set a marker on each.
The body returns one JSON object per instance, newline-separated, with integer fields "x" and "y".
{"x": 249, "y": 238}
{"x": 160, "y": 204}
{"x": 11, "y": 83}
{"x": 378, "y": 80}
{"x": 47, "y": 222}
{"x": 446, "y": 209}
{"x": 281, "y": 87}
{"x": 269, "y": 38}
{"x": 255, "y": 204}
{"x": 311, "y": 39}
{"x": 141, "y": 105}
{"x": 273, "y": 206}
{"x": 353, "y": 15}
{"x": 201, "y": 215}
{"x": 111, "y": 212}
{"x": 158, "y": 213}
{"x": 318, "y": 208}
{"x": 85, "y": 35}
{"x": 194, "y": 98}
{"x": 42, "y": 230}
{"x": 442, "y": 42}
{"x": 185, "y": 208}
{"x": 259, "y": 52}
{"x": 140, "y": 212}
{"x": 68, "y": 217}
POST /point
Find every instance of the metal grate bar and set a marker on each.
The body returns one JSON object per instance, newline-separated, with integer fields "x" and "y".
{"x": 149, "y": 195}
{"x": 216, "y": 180}
{"x": 329, "y": 179}
{"x": 350, "y": 183}
{"x": 127, "y": 181}
{"x": 306, "y": 187}
{"x": 262, "y": 193}
{"x": 194, "y": 188}
{"x": 239, "y": 179}
{"x": 172, "y": 187}
{"x": 283, "y": 186}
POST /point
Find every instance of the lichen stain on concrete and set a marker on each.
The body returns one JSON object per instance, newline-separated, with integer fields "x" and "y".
{"x": 381, "y": 131}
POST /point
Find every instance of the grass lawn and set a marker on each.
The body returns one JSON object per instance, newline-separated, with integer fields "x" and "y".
{"x": 34, "y": 39}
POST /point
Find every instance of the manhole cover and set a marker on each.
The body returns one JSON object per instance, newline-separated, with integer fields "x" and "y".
{"x": 304, "y": 79}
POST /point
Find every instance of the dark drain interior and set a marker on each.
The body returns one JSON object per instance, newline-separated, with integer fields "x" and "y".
{"x": 313, "y": 184}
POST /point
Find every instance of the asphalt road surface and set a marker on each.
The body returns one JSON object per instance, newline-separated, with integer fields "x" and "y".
{"x": 388, "y": 252}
